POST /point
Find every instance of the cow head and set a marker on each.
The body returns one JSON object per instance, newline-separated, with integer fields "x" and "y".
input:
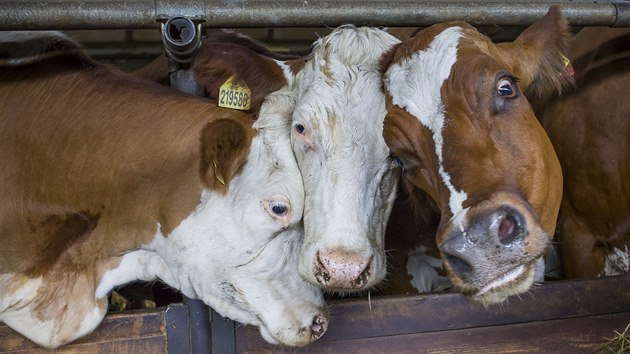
{"x": 349, "y": 178}
{"x": 465, "y": 134}
{"x": 239, "y": 250}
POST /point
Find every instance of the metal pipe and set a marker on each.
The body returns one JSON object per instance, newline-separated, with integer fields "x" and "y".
{"x": 181, "y": 38}
{"x": 112, "y": 14}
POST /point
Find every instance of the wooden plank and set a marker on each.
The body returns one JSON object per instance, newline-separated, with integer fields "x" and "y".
{"x": 404, "y": 318}
{"x": 127, "y": 332}
{"x": 574, "y": 335}
{"x": 397, "y": 315}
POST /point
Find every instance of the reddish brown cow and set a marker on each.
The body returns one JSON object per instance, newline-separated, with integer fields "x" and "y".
{"x": 469, "y": 142}
{"x": 590, "y": 130}
{"x": 107, "y": 179}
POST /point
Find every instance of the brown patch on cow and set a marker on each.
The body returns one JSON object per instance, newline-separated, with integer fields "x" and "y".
{"x": 215, "y": 63}
{"x": 423, "y": 39}
{"x": 225, "y": 36}
{"x": 61, "y": 232}
{"x": 158, "y": 70}
{"x": 296, "y": 65}
{"x": 224, "y": 149}
{"x": 387, "y": 58}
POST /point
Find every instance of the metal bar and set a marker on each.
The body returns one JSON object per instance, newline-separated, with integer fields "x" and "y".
{"x": 111, "y": 14}
{"x": 181, "y": 38}
{"x": 177, "y": 329}
{"x": 223, "y": 334}
{"x": 200, "y": 333}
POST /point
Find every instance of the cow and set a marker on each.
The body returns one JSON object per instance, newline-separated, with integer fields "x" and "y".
{"x": 107, "y": 178}
{"x": 349, "y": 178}
{"x": 472, "y": 149}
{"x": 589, "y": 127}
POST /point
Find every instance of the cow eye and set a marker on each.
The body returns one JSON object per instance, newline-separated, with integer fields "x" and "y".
{"x": 279, "y": 208}
{"x": 299, "y": 128}
{"x": 396, "y": 159}
{"x": 505, "y": 88}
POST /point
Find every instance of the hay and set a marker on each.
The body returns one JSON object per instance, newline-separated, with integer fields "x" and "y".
{"x": 618, "y": 344}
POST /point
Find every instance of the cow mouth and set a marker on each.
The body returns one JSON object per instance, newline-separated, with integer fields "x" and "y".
{"x": 503, "y": 279}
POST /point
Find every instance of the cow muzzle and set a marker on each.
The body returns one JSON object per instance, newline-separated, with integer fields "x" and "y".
{"x": 343, "y": 270}
{"x": 493, "y": 256}
{"x": 297, "y": 335}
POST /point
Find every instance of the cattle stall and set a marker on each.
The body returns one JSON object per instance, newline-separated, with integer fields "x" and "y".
{"x": 555, "y": 316}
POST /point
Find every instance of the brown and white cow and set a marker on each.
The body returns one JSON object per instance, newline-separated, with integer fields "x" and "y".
{"x": 469, "y": 142}
{"x": 590, "y": 130}
{"x": 107, "y": 178}
{"x": 349, "y": 178}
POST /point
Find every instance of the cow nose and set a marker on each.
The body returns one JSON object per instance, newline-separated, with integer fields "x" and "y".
{"x": 339, "y": 269}
{"x": 491, "y": 237}
{"x": 319, "y": 326}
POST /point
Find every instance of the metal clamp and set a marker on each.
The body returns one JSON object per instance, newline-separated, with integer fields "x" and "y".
{"x": 181, "y": 37}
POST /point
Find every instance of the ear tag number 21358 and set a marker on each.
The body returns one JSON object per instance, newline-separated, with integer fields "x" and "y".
{"x": 234, "y": 95}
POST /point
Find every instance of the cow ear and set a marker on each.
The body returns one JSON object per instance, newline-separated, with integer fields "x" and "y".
{"x": 543, "y": 65}
{"x": 216, "y": 62}
{"x": 224, "y": 147}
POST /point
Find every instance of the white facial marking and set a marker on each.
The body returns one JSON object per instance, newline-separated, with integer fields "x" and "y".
{"x": 415, "y": 84}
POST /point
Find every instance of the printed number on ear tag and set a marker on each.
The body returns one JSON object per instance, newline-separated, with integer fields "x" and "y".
{"x": 234, "y": 95}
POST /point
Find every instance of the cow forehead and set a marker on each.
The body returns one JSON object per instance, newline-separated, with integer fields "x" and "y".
{"x": 339, "y": 88}
{"x": 414, "y": 84}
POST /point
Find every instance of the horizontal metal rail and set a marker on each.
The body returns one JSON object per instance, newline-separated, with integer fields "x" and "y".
{"x": 138, "y": 14}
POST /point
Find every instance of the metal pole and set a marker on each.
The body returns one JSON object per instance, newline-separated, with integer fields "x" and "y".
{"x": 182, "y": 37}
{"x": 111, "y": 14}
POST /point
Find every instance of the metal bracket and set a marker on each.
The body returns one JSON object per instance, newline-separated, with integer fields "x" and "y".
{"x": 622, "y": 18}
{"x": 181, "y": 37}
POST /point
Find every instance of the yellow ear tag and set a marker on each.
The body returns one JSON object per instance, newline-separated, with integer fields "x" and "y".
{"x": 216, "y": 173}
{"x": 568, "y": 68}
{"x": 235, "y": 95}
{"x": 565, "y": 60}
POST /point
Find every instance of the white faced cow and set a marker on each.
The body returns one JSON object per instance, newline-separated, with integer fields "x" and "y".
{"x": 349, "y": 179}
{"x": 107, "y": 178}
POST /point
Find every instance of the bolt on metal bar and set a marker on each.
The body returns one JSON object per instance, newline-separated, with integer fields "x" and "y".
{"x": 138, "y": 14}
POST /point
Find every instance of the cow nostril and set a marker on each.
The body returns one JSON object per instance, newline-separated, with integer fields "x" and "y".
{"x": 508, "y": 229}
{"x": 319, "y": 326}
{"x": 322, "y": 276}
{"x": 458, "y": 266}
